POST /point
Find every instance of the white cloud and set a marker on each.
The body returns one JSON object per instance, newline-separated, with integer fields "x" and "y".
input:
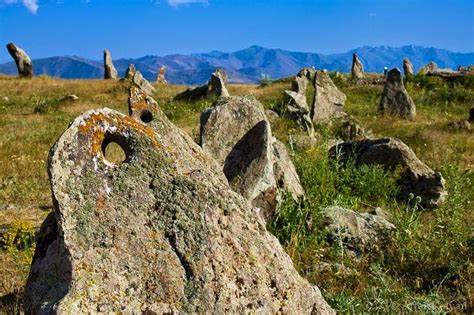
{"x": 175, "y": 3}
{"x": 31, "y": 5}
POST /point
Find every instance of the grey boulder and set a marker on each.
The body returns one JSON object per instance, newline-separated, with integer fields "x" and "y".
{"x": 328, "y": 101}
{"x": 395, "y": 99}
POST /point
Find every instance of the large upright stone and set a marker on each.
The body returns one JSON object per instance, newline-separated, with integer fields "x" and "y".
{"x": 109, "y": 69}
{"x": 300, "y": 84}
{"x": 328, "y": 101}
{"x": 160, "y": 232}
{"x": 160, "y": 77}
{"x": 235, "y": 131}
{"x": 408, "y": 68}
{"x": 130, "y": 72}
{"x": 357, "y": 69}
{"x": 415, "y": 177}
{"x": 22, "y": 60}
{"x": 395, "y": 99}
{"x": 136, "y": 78}
{"x": 214, "y": 87}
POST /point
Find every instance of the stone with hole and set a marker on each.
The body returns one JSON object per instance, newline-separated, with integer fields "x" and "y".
{"x": 22, "y": 61}
{"x": 109, "y": 69}
{"x": 395, "y": 99}
{"x": 159, "y": 232}
{"x": 415, "y": 177}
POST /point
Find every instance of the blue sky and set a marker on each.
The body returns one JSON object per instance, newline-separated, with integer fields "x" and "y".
{"x": 136, "y": 28}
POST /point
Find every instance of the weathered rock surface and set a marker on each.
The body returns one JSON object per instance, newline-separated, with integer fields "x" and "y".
{"x": 430, "y": 67}
{"x": 415, "y": 177}
{"x": 328, "y": 101}
{"x": 109, "y": 69}
{"x": 308, "y": 73}
{"x": 22, "y": 60}
{"x": 161, "y": 232}
{"x": 300, "y": 84}
{"x": 358, "y": 232}
{"x": 130, "y": 72}
{"x": 70, "y": 98}
{"x": 395, "y": 99}
{"x": 297, "y": 109}
{"x": 408, "y": 68}
{"x": 357, "y": 69}
{"x": 137, "y": 79}
{"x": 160, "y": 77}
{"x": 350, "y": 129}
{"x": 214, "y": 87}
{"x": 235, "y": 131}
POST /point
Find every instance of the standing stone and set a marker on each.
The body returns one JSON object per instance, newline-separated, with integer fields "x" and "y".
{"x": 328, "y": 101}
{"x": 429, "y": 68}
{"x": 357, "y": 67}
{"x": 160, "y": 77}
{"x": 214, "y": 87}
{"x": 22, "y": 60}
{"x": 143, "y": 83}
{"x": 130, "y": 73}
{"x": 408, "y": 68}
{"x": 395, "y": 99}
{"x": 109, "y": 69}
{"x": 217, "y": 83}
{"x": 235, "y": 131}
{"x": 299, "y": 85}
{"x": 415, "y": 177}
{"x": 308, "y": 73}
{"x": 160, "y": 232}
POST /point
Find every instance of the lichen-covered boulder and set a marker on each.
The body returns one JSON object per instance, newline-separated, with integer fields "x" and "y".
{"x": 130, "y": 72}
{"x": 357, "y": 69}
{"x": 159, "y": 232}
{"x": 395, "y": 99}
{"x": 142, "y": 83}
{"x": 328, "y": 101}
{"x": 358, "y": 233}
{"x": 22, "y": 61}
{"x": 236, "y": 132}
{"x": 408, "y": 68}
{"x": 415, "y": 176}
{"x": 109, "y": 69}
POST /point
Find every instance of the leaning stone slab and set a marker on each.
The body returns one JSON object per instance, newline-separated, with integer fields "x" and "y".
{"x": 160, "y": 232}
{"x": 328, "y": 101}
{"x": 395, "y": 99}
{"x": 109, "y": 69}
{"x": 415, "y": 177}
{"x": 22, "y": 60}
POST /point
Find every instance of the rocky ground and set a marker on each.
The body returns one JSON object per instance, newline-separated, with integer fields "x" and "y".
{"x": 352, "y": 236}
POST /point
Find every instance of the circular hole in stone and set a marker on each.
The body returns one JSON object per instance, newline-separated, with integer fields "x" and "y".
{"x": 115, "y": 149}
{"x": 146, "y": 116}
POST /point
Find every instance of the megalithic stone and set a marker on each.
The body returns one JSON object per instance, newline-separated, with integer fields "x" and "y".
{"x": 357, "y": 67}
{"x": 159, "y": 231}
{"x": 109, "y": 69}
{"x": 408, "y": 68}
{"x": 22, "y": 60}
{"x": 395, "y": 99}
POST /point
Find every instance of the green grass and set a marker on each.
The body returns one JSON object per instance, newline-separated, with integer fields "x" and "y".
{"x": 426, "y": 267}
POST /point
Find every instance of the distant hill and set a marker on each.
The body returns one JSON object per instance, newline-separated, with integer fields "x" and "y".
{"x": 248, "y": 65}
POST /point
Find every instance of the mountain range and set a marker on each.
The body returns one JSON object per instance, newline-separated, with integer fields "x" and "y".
{"x": 247, "y": 65}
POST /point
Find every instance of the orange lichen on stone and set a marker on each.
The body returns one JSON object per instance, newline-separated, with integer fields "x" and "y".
{"x": 137, "y": 101}
{"x": 96, "y": 126}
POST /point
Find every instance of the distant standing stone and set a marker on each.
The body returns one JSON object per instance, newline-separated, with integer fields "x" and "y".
{"x": 130, "y": 72}
{"x": 408, "y": 68}
{"x": 395, "y": 99}
{"x": 357, "y": 67}
{"x": 22, "y": 60}
{"x": 430, "y": 67}
{"x": 160, "y": 78}
{"x": 109, "y": 70}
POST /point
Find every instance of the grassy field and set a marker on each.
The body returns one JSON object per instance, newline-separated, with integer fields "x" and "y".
{"x": 426, "y": 268}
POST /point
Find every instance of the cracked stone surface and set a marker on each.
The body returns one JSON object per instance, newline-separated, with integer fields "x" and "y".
{"x": 328, "y": 101}
{"x": 160, "y": 232}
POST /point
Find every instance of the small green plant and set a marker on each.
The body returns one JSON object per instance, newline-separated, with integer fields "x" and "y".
{"x": 45, "y": 105}
{"x": 17, "y": 236}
